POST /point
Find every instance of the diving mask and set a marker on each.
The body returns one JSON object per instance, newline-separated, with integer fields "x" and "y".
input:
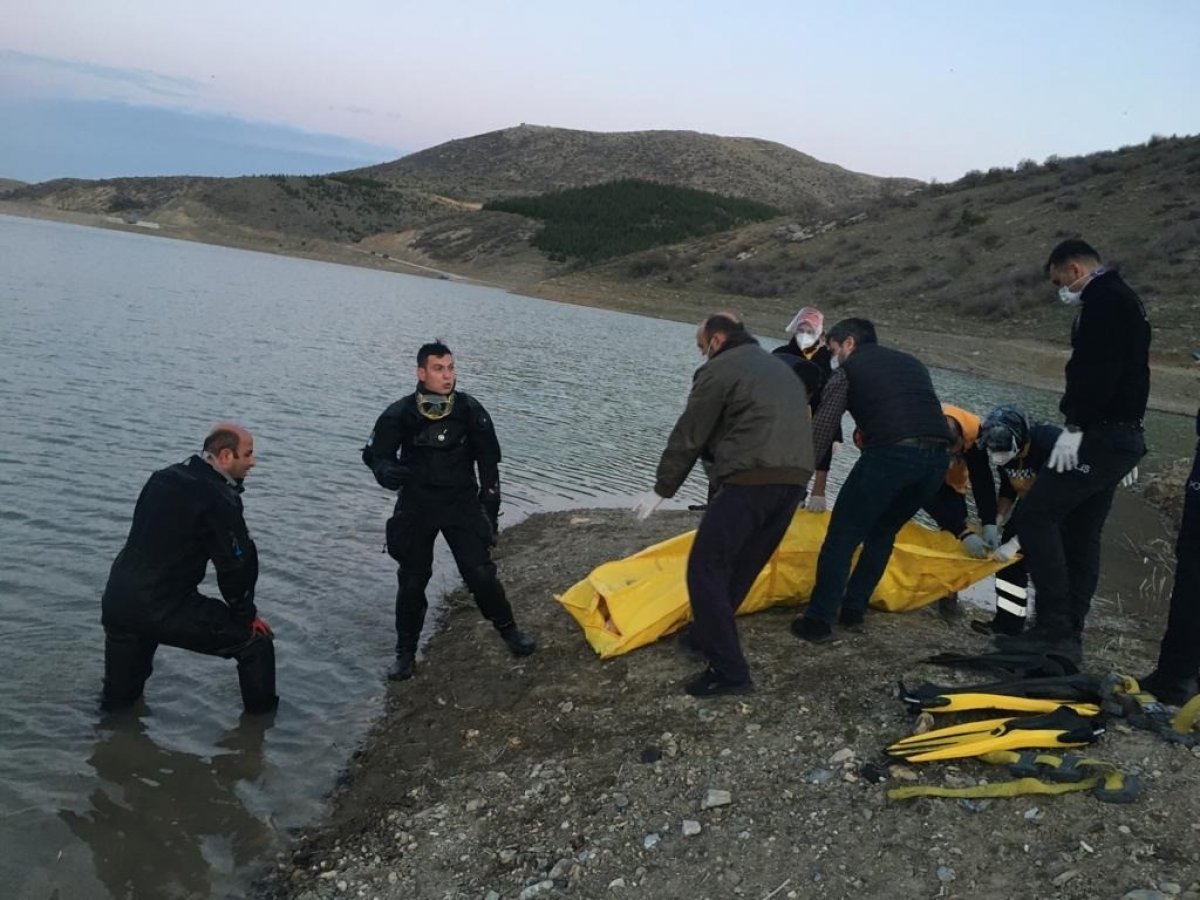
{"x": 435, "y": 406}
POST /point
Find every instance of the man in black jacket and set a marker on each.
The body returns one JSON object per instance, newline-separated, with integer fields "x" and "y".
{"x": 904, "y": 459}
{"x": 1174, "y": 679}
{"x": 1060, "y": 521}
{"x": 188, "y": 514}
{"x": 426, "y": 447}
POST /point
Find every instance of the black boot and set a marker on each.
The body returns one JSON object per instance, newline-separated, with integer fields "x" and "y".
{"x": 1044, "y": 641}
{"x": 521, "y": 643}
{"x": 402, "y": 668}
{"x": 711, "y": 683}
{"x": 1168, "y": 690}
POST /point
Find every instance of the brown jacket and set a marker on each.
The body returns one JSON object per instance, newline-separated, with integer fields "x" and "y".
{"x": 747, "y": 413}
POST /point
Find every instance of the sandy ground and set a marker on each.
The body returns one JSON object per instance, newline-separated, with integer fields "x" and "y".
{"x": 564, "y": 776}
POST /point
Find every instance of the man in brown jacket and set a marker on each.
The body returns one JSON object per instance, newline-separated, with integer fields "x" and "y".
{"x": 748, "y": 413}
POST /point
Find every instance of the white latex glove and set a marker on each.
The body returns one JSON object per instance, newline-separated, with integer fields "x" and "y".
{"x": 991, "y": 536}
{"x": 647, "y": 503}
{"x": 1065, "y": 455}
{"x": 1130, "y": 478}
{"x": 1007, "y": 551}
{"x": 815, "y": 503}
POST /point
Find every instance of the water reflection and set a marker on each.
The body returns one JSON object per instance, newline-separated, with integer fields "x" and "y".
{"x": 165, "y": 823}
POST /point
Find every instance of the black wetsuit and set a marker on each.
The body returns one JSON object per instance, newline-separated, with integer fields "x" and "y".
{"x": 431, "y": 464}
{"x": 187, "y": 515}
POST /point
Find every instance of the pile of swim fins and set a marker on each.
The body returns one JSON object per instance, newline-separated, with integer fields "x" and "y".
{"x": 1064, "y": 727}
{"x": 1082, "y": 693}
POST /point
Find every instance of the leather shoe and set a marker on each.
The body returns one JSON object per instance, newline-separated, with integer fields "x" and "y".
{"x": 521, "y": 643}
{"x": 711, "y": 683}
{"x": 852, "y": 620}
{"x": 812, "y": 630}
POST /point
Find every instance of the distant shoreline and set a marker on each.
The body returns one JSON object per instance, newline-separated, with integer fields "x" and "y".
{"x": 1022, "y": 361}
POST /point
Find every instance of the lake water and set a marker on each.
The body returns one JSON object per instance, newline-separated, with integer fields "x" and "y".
{"x": 117, "y": 352}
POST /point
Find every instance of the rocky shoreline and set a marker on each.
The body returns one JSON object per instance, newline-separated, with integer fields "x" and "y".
{"x": 562, "y": 776}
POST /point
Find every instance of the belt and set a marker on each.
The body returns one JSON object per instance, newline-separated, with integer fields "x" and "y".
{"x": 1128, "y": 424}
{"x": 925, "y": 443}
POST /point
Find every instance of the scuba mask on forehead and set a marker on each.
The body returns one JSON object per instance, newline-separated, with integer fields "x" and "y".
{"x": 435, "y": 406}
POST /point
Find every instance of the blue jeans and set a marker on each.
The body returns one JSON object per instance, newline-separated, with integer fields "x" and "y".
{"x": 884, "y": 490}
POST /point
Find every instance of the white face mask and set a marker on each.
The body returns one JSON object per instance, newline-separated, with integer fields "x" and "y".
{"x": 805, "y": 339}
{"x": 834, "y": 363}
{"x": 999, "y": 458}
{"x": 1070, "y": 297}
{"x": 1074, "y": 298}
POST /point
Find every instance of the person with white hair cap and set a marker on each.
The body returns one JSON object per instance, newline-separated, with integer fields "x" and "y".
{"x": 809, "y": 358}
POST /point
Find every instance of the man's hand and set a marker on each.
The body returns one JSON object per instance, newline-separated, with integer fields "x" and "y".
{"x": 1065, "y": 455}
{"x": 260, "y": 628}
{"x": 991, "y": 536}
{"x": 1130, "y": 478}
{"x": 815, "y": 503}
{"x": 974, "y": 546}
{"x": 647, "y": 503}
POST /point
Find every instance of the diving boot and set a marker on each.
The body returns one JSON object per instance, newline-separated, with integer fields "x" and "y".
{"x": 402, "y": 668}
{"x": 1167, "y": 690}
{"x": 521, "y": 643}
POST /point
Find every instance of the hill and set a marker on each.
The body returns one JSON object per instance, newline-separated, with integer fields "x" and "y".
{"x": 10, "y": 184}
{"x": 532, "y": 159}
{"x": 964, "y": 258}
{"x": 951, "y": 271}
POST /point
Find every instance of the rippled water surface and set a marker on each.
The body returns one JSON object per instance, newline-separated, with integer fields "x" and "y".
{"x": 117, "y": 352}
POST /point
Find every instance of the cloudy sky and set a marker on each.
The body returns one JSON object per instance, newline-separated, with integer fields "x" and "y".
{"x": 924, "y": 88}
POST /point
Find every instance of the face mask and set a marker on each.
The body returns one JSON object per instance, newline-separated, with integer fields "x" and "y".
{"x": 1070, "y": 297}
{"x": 1074, "y": 298}
{"x": 999, "y": 458}
{"x": 805, "y": 339}
{"x": 834, "y": 363}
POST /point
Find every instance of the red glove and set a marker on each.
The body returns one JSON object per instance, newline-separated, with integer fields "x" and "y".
{"x": 260, "y": 628}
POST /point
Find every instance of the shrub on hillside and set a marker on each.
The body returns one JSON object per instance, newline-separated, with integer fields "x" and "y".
{"x": 625, "y": 216}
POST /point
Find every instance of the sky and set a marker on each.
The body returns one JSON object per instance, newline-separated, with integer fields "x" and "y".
{"x": 924, "y": 88}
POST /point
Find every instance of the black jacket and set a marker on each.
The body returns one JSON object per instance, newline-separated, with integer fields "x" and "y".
{"x": 1017, "y": 475}
{"x": 187, "y": 515}
{"x": 1108, "y": 374}
{"x": 408, "y": 450}
{"x": 891, "y": 397}
{"x": 812, "y": 370}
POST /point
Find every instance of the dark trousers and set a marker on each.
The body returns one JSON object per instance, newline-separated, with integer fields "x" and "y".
{"x": 948, "y": 508}
{"x": 411, "y": 532}
{"x": 884, "y": 490}
{"x": 197, "y": 623}
{"x": 1179, "y": 654}
{"x": 741, "y": 529}
{"x": 1012, "y": 591}
{"x": 1060, "y": 522}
